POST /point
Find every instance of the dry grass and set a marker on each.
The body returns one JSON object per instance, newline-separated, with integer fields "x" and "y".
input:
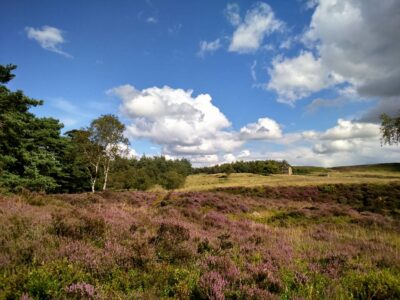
{"x": 210, "y": 181}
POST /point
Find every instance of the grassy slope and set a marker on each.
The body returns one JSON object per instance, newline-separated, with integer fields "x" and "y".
{"x": 371, "y": 174}
{"x": 388, "y": 167}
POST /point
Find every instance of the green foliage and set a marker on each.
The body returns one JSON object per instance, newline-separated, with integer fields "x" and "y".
{"x": 173, "y": 180}
{"x": 141, "y": 180}
{"x": 29, "y": 146}
{"x": 33, "y": 154}
{"x": 5, "y": 73}
{"x": 143, "y": 173}
{"x": 377, "y": 285}
{"x": 263, "y": 167}
{"x": 107, "y": 132}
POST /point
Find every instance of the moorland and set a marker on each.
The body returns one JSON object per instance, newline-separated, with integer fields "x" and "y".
{"x": 328, "y": 234}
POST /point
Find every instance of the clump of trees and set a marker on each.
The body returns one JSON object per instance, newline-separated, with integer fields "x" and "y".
{"x": 35, "y": 155}
{"x": 146, "y": 172}
{"x": 98, "y": 146}
{"x": 263, "y": 167}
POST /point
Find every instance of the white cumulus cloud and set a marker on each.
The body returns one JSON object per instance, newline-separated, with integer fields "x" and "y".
{"x": 350, "y": 130}
{"x": 174, "y": 118}
{"x": 354, "y": 41}
{"x": 298, "y": 77}
{"x": 249, "y": 34}
{"x": 265, "y": 128}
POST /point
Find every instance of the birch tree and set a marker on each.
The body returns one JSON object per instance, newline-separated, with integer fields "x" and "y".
{"x": 390, "y": 129}
{"x": 89, "y": 152}
{"x": 108, "y": 133}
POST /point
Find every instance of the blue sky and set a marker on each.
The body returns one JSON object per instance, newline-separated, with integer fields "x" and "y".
{"x": 215, "y": 81}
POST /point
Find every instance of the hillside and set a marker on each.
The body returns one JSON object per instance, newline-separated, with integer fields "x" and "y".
{"x": 380, "y": 173}
{"x": 388, "y": 167}
{"x": 326, "y": 242}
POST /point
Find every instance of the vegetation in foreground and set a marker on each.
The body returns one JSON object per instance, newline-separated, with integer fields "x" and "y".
{"x": 271, "y": 243}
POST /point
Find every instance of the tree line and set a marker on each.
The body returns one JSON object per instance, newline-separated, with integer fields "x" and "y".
{"x": 263, "y": 167}
{"x": 35, "y": 155}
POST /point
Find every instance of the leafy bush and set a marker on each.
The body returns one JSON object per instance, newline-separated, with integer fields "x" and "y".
{"x": 173, "y": 180}
{"x": 377, "y": 285}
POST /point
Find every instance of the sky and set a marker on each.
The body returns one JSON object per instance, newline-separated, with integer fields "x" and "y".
{"x": 215, "y": 81}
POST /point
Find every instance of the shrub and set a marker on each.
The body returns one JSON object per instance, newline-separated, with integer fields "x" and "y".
{"x": 173, "y": 180}
{"x": 78, "y": 227}
{"x": 48, "y": 281}
{"x": 80, "y": 290}
{"x": 212, "y": 286}
{"x": 376, "y": 285}
{"x": 142, "y": 180}
{"x": 171, "y": 243}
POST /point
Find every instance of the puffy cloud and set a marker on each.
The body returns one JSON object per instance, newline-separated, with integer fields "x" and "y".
{"x": 294, "y": 78}
{"x": 259, "y": 22}
{"x": 334, "y": 146}
{"x": 49, "y": 38}
{"x": 355, "y": 41}
{"x": 348, "y": 136}
{"x": 351, "y": 130}
{"x": 265, "y": 128}
{"x": 358, "y": 40}
{"x": 184, "y": 124}
{"x": 208, "y": 47}
{"x": 365, "y": 151}
{"x": 348, "y": 142}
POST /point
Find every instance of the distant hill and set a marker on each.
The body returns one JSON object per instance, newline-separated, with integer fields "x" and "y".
{"x": 388, "y": 167}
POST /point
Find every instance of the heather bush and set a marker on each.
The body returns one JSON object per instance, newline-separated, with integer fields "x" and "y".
{"x": 383, "y": 198}
{"x": 212, "y": 286}
{"x": 171, "y": 242}
{"x": 80, "y": 290}
{"x": 78, "y": 226}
